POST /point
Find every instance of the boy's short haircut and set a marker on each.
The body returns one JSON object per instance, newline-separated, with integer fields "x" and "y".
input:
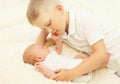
{"x": 36, "y": 6}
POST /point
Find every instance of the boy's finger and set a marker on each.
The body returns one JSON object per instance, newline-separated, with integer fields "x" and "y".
{"x": 57, "y": 71}
{"x": 54, "y": 77}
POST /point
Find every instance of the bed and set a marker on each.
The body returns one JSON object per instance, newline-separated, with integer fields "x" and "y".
{"x": 16, "y": 34}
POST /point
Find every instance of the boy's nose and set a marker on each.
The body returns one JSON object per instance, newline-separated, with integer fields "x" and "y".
{"x": 49, "y": 30}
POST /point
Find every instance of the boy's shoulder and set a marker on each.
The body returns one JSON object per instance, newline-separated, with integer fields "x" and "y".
{"x": 83, "y": 15}
{"x": 80, "y": 13}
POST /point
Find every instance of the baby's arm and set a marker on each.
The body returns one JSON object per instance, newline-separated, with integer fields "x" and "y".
{"x": 58, "y": 41}
{"x": 47, "y": 72}
{"x": 42, "y": 39}
{"x": 93, "y": 62}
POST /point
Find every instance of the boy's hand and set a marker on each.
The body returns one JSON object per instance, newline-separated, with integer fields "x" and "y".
{"x": 64, "y": 75}
{"x": 80, "y": 57}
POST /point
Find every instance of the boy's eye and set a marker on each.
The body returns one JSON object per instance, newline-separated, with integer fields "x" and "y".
{"x": 44, "y": 29}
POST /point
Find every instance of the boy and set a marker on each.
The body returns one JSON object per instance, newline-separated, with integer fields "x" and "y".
{"x": 79, "y": 30}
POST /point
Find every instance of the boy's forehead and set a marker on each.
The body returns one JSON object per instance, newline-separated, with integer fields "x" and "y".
{"x": 42, "y": 20}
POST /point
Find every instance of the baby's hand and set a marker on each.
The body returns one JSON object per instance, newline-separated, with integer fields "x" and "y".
{"x": 37, "y": 65}
{"x": 55, "y": 36}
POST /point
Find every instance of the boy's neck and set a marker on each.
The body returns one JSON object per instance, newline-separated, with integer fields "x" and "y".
{"x": 67, "y": 22}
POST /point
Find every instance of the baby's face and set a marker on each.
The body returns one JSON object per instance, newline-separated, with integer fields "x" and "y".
{"x": 40, "y": 53}
{"x": 54, "y": 21}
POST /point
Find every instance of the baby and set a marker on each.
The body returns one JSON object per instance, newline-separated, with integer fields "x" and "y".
{"x": 49, "y": 61}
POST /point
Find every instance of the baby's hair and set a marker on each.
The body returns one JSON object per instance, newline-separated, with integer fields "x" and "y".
{"x": 28, "y": 56}
{"x": 36, "y": 6}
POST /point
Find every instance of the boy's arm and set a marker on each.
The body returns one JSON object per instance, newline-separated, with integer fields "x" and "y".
{"x": 93, "y": 62}
{"x": 47, "y": 72}
{"x": 41, "y": 39}
{"x": 58, "y": 41}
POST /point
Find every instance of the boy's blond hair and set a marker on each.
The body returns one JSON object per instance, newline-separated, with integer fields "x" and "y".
{"x": 37, "y": 6}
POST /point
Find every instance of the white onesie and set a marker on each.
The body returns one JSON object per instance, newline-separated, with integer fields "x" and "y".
{"x": 54, "y": 61}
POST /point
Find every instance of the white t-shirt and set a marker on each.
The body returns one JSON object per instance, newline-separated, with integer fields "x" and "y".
{"x": 86, "y": 29}
{"x": 54, "y": 61}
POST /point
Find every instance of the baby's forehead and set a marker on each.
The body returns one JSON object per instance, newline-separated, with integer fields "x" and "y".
{"x": 35, "y": 46}
{"x": 34, "y": 49}
{"x": 31, "y": 59}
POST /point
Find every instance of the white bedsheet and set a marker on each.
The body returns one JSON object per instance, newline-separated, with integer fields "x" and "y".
{"x": 16, "y": 34}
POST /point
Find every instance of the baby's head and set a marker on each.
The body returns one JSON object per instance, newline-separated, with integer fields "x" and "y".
{"x": 47, "y": 14}
{"x": 35, "y": 53}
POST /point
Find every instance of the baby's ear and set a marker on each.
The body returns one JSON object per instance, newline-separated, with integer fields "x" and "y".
{"x": 38, "y": 58}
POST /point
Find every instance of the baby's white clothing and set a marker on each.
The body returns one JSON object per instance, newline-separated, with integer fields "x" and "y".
{"x": 85, "y": 30}
{"x": 54, "y": 61}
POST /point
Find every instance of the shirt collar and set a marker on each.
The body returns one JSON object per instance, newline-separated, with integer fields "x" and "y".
{"x": 71, "y": 28}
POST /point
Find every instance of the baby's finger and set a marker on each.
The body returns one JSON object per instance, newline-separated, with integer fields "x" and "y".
{"x": 36, "y": 64}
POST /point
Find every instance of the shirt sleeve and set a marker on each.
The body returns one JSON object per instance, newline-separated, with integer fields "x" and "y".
{"x": 92, "y": 29}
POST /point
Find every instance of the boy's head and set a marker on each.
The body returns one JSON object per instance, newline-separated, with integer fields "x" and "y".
{"x": 48, "y": 14}
{"x": 35, "y": 53}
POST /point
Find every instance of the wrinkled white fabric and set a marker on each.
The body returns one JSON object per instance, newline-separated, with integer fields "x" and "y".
{"x": 54, "y": 61}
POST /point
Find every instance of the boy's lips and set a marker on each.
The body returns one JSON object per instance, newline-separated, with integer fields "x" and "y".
{"x": 56, "y": 32}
